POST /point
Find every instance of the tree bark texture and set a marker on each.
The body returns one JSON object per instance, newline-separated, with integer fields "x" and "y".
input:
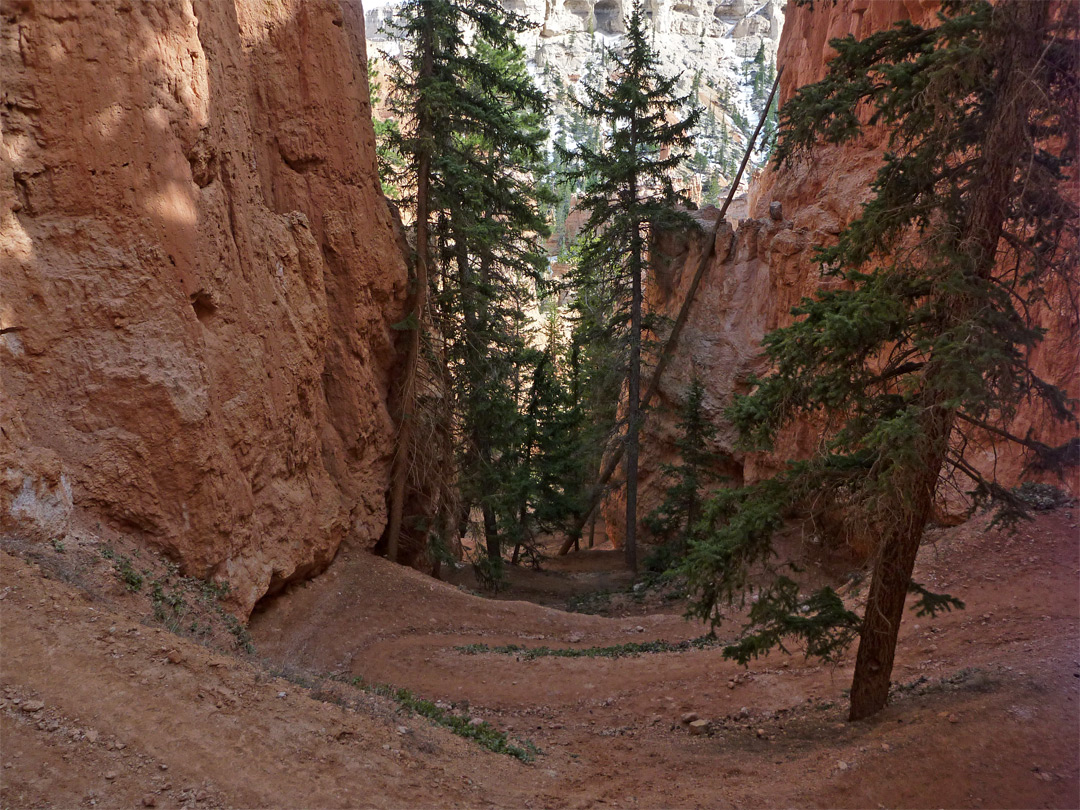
{"x": 399, "y": 472}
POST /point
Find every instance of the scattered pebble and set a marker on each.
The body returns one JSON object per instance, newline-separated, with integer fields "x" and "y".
{"x": 699, "y": 727}
{"x": 841, "y": 765}
{"x": 32, "y": 706}
{"x": 689, "y": 718}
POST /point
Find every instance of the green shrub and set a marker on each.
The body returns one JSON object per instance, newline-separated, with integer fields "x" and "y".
{"x": 128, "y": 575}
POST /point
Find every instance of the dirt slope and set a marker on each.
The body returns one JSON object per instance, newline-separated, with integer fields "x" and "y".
{"x": 994, "y": 723}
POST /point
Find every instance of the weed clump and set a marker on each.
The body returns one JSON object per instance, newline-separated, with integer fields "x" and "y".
{"x": 483, "y": 733}
{"x": 128, "y": 575}
{"x": 615, "y": 651}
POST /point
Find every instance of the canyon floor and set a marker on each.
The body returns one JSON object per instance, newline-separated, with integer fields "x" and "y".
{"x": 101, "y": 706}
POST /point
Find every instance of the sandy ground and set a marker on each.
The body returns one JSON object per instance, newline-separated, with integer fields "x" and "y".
{"x": 101, "y": 708}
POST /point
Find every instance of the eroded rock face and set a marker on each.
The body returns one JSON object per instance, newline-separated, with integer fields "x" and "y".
{"x": 767, "y": 267}
{"x": 708, "y": 45}
{"x": 704, "y": 37}
{"x": 199, "y": 273}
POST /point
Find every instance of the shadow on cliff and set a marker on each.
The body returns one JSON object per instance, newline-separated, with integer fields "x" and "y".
{"x": 204, "y": 277}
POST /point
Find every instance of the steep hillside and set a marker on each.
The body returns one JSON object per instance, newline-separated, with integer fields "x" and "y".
{"x": 199, "y": 274}
{"x": 711, "y": 37}
{"x": 711, "y": 45}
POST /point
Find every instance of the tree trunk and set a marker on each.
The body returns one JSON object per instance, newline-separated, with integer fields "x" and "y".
{"x": 464, "y": 513}
{"x": 632, "y": 422}
{"x": 912, "y": 505}
{"x": 691, "y": 519}
{"x": 491, "y": 533}
{"x": 399, "y": 473}
{"x": 633, "y": 393}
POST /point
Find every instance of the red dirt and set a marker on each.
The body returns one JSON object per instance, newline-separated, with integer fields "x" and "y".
{"x": 995, "y": 723}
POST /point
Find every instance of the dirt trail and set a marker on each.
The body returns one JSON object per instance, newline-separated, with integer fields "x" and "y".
{"x": 994, "y": 724}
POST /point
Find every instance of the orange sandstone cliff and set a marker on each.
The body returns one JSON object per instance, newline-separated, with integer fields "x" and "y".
{"x": 198, "y": 275}
{"x": 765, "y": 267}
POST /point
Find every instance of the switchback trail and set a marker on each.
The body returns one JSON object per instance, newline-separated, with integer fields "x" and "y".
{"x": 102, "y": 708}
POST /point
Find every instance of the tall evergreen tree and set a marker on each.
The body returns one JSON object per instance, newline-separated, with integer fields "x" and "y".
{"x": 494, "y": 228}
{"x": 595, "y": 372}
{"x": 471, "y": 132}
{"x": 927, "y": 341}
{"x": 628, "y": 190}
{"x": 675, "y": 521}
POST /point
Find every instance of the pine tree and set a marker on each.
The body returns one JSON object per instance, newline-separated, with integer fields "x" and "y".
{"x": 474, "y": 143}
{"x": 628, "y": 191}
{"x": 675, "y": 521}
{"x": 757, "y": 76}
{"x": 927, "y": 339}
{"x": 555, "y": 421}
{"x": 386, "y": 131}
{"x": 495, "y": 226}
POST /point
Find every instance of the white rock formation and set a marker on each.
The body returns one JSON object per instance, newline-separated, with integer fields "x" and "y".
{"x": 710, "y": 39}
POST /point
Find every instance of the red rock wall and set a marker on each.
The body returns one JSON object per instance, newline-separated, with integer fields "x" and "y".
{"x": 751, "y": 286}
{"x": 828, "y": 190}
{"x": 198, "y": 276}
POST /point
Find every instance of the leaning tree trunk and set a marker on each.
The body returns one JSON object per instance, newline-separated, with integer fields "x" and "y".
{"x": 667, "y": 352}
{"x": 912, "y": 502}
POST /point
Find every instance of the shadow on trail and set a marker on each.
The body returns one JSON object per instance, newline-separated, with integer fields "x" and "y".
{"x": 588, "y": 581}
